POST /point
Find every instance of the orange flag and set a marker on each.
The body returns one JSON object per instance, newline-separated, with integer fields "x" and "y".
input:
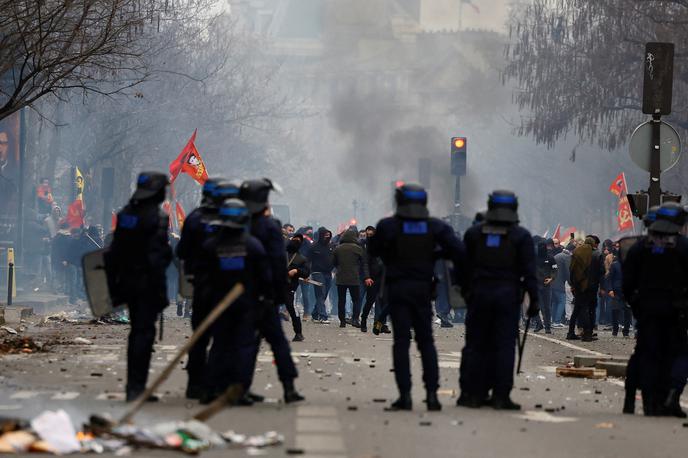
{"x": 190, "y": 162}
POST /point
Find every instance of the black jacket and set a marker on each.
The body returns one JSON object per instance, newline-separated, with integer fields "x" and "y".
{"x": 321, "y": 254}
{"x": 350, "y": 260}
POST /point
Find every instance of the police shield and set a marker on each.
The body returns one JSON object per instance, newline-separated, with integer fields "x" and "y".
{"x": 186, "y": 287}
{"x": 96, "y": 282}
{"x": 625, "y": 244}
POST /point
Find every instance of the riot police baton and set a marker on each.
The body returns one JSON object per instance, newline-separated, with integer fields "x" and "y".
{"x": 219, "y": 309}
{"x": 162, "y": 326}
{"x": 521, "y": 346}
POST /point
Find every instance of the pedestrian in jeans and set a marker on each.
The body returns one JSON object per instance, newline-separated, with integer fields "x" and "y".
{"x": 350, "y": 262}
{"x": 320, "y": 257}
{"x": 563, "y": 261}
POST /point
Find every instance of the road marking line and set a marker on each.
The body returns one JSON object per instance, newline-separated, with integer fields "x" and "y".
{"x": 316, "y": 411}
{"x": 544, "y": 417}
{"x": 320, "y": 443}
{"x": 568, "y": 345}
{"x": 318, "y": 425}
{"x": 10, "y": 407}
{"x": 65, "y": 396}
{"x": 25, "y": 394}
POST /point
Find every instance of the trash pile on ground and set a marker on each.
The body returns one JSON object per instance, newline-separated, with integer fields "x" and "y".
{"x": 54, "y": 433}
{"x": 16, "y": 344}
{"x": 119, "y": 316}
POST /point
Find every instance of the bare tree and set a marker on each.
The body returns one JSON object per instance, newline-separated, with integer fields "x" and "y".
{"x": 577, "y": 65}
{"x": 93, "y": 46}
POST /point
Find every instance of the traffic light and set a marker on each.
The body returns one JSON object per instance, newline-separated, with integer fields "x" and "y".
{"x": 458, "y": 155}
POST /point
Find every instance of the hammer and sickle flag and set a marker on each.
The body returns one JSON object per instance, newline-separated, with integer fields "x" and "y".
{"x": 190, "y": 162}
{"x": 625, "y": 217}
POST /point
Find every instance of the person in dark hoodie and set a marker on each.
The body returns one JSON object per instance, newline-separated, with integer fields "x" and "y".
{"x": 321, "y": 258}
{"x": 545, "y": 272}
{"x": 297, "y": 268}
{"x": 350, "y": 261}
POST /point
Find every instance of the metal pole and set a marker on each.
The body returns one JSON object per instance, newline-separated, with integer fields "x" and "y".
{"x": 655, "y": 191}
{"x": 10, "y": 282}
{"x": 457, "y": 195}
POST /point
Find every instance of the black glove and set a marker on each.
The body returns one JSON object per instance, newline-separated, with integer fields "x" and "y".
{"x": 533, "y": 310}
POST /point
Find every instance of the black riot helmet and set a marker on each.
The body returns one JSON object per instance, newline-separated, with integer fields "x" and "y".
{"x": 232, "y": 214}
{"x": 412, "y": 201}
{"x": 150, "y": 185}
{"x": 502, "y": 207}
{"x": 224, "y": 190}
{"x": 651, "y": 216}
{"x": 255, "y": 194}
{"x": 670, "y": 219}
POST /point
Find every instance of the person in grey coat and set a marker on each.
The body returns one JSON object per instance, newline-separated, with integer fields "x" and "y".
{"x": 563, "y": 260}
{"x": 351, "y": 264}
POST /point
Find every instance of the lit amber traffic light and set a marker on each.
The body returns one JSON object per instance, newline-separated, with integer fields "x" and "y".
{"x": 459, "y": 142}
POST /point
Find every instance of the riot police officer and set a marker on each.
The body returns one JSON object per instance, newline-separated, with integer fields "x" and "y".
{"x": 230, "y": 256}
{"x": 137, "y": 260}
{"x": 194, "y": 234}
{"x": 409, "y": 244}
{"x": 655, "y": 271}
{"x": 266, "y": 229}
{"x": 501, "y": 264}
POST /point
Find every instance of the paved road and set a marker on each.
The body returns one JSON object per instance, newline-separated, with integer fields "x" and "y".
{"x": 346, "y": 378}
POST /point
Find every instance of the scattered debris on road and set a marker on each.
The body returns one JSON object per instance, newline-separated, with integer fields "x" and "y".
{"x": 16, "y": 344}
{"x": 581, "y": 372}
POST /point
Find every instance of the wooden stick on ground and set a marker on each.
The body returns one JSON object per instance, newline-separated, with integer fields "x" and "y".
{"x": 231, "y": 296}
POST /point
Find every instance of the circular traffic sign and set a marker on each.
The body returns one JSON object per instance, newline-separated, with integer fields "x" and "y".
{"x": 641, "y": 146}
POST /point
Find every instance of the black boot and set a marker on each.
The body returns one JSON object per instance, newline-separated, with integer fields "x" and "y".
{"x": 290, "y": 393}
{"x": 298, "y": 338}
{"x": 255, "y": 397}
{"x": 364, "y": 324}
{"x": 672, "y": 405}
{"x": 470, "y": 401}
{"x": 403, "y": 403}
{"x": 504, "y": 402}
{"x": 629, "y": 403}
{"x": 649, "y": 405}
{"x": 432, "y": 402}
{"x": 385, "y": 329}
{"x": 180, "y": 308}
{"x": 194, "y": 392}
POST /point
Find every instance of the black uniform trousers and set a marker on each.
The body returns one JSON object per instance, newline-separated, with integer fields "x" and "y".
{"x": 355, "y": 293}
{"x": 143, "y": 313}
{"x": 410, "y": 308}
{"x": 198, "y": 355}
{"x": 229, "y": 359}
{"x": 269, "y": 326}
{"x": 487, "y": 360}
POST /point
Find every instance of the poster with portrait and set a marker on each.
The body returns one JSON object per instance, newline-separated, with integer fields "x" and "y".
{"x": 10, "y": 178}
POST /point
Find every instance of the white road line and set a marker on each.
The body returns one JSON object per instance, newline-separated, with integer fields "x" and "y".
{"x": 25, "y": 394}
{"x": 10, "y": 407}
{"x": 544, "y": 417}
{"x": 318, "y": 430}
{"x": 567, "y": 345}
{"x": 65, "y": 396}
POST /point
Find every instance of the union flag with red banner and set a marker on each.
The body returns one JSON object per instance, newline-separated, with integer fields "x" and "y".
{"x": 190, "y": 162}
{"x": 618, "y": 186}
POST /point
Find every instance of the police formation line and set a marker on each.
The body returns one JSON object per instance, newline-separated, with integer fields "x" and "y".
{"x": 231, "y": 238}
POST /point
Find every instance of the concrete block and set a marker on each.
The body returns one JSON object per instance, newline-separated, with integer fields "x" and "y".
{"x": 613, "y": 368}
{"x": 592, "y": 360}
{"x": 14, "y": 315}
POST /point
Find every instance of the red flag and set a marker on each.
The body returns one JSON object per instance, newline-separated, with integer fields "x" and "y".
{"x": 181, "y": 216}
{"x": 618, "y": 186}
{"x": 567, "y": 233}
{"x": 75, "y": 215}
{"x": 557, "y": 232}
{"x": 624, "y": 216}
{"x": 190, "y": 162}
